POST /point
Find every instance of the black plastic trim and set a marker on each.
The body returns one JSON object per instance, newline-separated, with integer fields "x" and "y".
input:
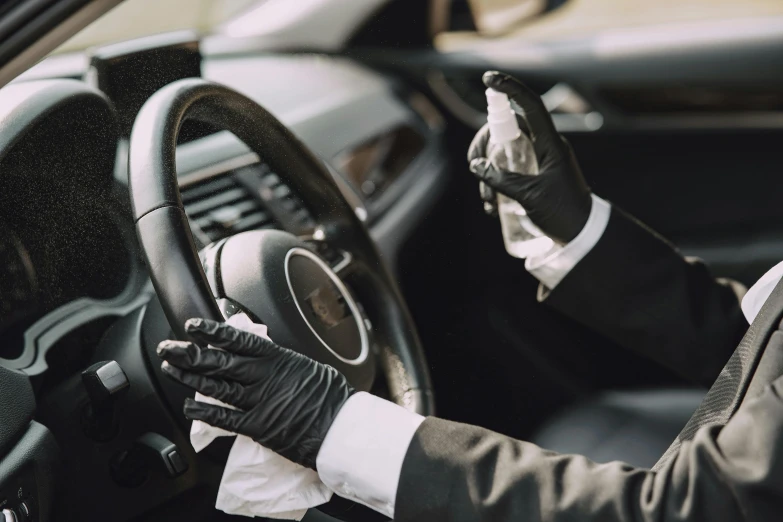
{"x": 36, "y": 450}
{"x": 17, "y": 405}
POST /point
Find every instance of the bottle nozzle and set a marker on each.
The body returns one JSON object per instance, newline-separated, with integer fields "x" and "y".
{"x": 503, "y": 126}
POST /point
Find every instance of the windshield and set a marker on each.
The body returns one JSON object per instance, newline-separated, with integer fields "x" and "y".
{"x": 137, "y": 18}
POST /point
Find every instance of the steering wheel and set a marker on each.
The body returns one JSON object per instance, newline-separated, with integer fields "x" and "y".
{"x": 273, "y": 276}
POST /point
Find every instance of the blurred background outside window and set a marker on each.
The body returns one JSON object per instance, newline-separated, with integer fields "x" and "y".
{"x": 455, "y": 24}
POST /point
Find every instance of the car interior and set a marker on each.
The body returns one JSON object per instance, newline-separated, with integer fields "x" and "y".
{"x": 305, "y": 163}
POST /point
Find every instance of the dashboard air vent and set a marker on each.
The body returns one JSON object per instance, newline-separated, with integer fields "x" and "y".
{"x": 274, "y": 192}
{"x": 222, "y": 206}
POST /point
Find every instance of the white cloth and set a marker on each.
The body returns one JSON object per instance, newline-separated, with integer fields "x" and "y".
{"x": 361, "y": 456}
{"x": 551, "y": 267}
{"x": 258, "y": 482}
{"x": 757, "y": 295}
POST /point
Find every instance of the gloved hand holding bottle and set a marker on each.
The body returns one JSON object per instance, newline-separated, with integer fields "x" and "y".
{"x": 556, "y": 198}
{"x": 285, "y": 401}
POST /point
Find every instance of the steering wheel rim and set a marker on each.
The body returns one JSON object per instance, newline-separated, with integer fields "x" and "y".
{"x": 170, "y": 253}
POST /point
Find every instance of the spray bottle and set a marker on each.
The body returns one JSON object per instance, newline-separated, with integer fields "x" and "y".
{"x": 511, "y": 150}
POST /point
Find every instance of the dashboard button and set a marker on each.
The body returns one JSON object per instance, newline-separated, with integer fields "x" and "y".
{"x": 178, "y": 464}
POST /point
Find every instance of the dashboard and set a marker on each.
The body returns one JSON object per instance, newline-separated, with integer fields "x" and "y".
{"x": 70, "y": 263}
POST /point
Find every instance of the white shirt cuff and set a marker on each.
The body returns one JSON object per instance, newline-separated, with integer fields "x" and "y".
{"x": 361, "y": 456}
{"x": 551, "y": 267}
{"x": 759, "y": 293}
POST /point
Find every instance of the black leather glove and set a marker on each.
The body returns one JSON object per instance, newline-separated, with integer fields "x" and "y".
{"x": 557, "y": 199}
{"x": 286, "y": 401}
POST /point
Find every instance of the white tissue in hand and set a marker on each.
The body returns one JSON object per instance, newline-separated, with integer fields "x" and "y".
{"x": 258, "y": 482}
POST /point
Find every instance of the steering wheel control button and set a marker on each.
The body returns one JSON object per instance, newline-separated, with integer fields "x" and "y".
{"x": 326, "y": 306}
{"x": 227, "y": 307}
{"x": 210, "y": 256}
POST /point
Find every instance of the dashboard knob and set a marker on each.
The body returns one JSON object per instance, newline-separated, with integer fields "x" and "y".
{"x": 8, "y": 516}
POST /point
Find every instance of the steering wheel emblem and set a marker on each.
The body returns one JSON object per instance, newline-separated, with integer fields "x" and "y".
{"x": 326, "y": 306}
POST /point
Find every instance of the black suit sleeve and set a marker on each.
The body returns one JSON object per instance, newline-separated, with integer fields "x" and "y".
{"x": 458, "y": 473}
{"x": 635, "y": 288}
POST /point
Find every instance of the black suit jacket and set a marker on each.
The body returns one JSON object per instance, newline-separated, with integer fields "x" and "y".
{"x": 635, "y": 288}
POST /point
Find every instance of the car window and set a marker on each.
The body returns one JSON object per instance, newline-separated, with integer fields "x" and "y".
{"x": 137, "y": 18}
{"x": 541, "y": 20}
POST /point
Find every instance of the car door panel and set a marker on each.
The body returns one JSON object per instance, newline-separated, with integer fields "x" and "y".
{"x": 686, "y": 118}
